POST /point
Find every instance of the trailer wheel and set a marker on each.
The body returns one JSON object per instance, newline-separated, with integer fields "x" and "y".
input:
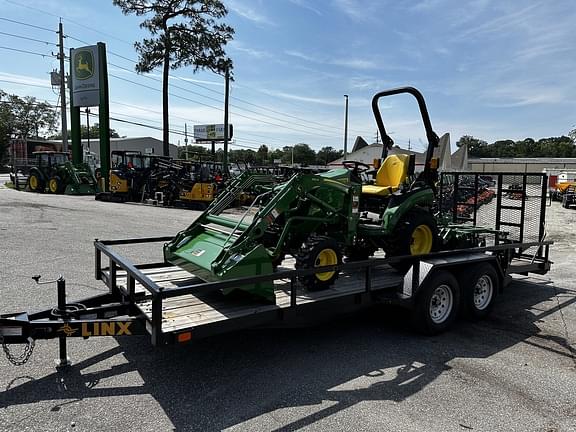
{"x": 437, "y": 303}
{"x": 319, "y": 251}
{"x": 55, "y": 185}
{"x": 35, "y": 182}
{"x": 479, "y": 294}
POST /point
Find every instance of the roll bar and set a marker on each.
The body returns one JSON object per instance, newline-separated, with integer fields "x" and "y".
{"x": 387, "y": 141}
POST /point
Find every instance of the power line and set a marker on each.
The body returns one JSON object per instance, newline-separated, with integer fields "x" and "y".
{"x": 24, "y": 84}
{"x": 323, "y": 125}
{"x": 26, "y": 24}
{"x": 175, "y": 132}
{"x": 307, "y": 125}
{"x": 27, "y": 38}
{"x": 220, "y": 109}
{"x": 179, "y": 78}
{"x": 26, "y": 52}
{"x": 195, "y": 84}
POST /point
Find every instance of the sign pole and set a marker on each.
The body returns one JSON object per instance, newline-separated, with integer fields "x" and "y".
{"x": 104, "y": 116}
{"x": 226, "y": 100}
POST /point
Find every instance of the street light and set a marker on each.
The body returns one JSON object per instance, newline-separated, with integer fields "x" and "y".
{"x": 346, "y": 128}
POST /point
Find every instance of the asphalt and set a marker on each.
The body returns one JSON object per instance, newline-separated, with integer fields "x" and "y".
{"x": 515, "y": 371}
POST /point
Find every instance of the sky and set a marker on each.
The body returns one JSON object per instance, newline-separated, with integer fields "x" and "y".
{"x": 487, "y": 68}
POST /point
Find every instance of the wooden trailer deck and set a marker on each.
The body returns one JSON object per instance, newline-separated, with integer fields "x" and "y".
{"x": 193, "y": 310}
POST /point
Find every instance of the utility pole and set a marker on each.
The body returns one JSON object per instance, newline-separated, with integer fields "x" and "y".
{"x": 186, "y": 141}
{"x": 62, "y": 87}
{"x": 88, "y": 126}
{"x": 346, "y": 129}
{"x": 409, "y": 145}
{"x": 226, "y": 100}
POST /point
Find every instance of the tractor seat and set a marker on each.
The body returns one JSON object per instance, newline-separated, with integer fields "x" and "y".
{"x": 390, "y": 176}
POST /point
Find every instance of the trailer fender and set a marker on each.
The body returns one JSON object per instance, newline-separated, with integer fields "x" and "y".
{"x": 458, "y": 265}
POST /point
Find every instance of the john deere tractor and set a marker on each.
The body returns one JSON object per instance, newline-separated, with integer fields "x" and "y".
{"x": 53, "y": 170}
{"x": 318, "y": 219}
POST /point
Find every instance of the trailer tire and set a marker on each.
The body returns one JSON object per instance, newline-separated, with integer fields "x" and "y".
{"x": 479, "y": 294}
{"x": 437, "y": 303}
{"x": 319, "y": 251}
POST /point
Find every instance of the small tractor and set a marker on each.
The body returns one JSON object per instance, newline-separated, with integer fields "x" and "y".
{"x": 318, "y": 219}
{"x": 190, "y": 182}
{"x": 53, "y": 170}
{"x": 128, "y": 177}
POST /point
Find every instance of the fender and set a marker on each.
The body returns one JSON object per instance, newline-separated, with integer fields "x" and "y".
{"x": 400, "y": 204}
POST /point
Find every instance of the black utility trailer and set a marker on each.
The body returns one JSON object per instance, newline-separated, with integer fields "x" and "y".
{"x": 171, "y": 305}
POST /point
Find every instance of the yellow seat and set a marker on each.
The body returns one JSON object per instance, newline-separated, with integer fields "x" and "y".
{"x": 390, "y": 176}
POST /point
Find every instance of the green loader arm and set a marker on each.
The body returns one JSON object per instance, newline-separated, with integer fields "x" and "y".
{"x": 216, "y": 248}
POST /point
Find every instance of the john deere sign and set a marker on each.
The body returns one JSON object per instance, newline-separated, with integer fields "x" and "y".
{"x": 85, "y": 76}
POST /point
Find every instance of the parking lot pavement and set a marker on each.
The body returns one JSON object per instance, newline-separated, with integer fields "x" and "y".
{"x": 515, "y": 371}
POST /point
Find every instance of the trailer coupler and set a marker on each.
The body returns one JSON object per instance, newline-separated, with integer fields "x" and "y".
{"x": 103, "y": 315}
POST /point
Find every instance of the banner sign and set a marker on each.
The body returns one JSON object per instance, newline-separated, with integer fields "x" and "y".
{"x": 85, "y": 76}
{"x": 211, "y": 132}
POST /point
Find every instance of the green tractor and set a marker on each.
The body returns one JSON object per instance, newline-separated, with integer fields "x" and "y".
{"x": 53, "y": 170}
{"x": 318, "y": 219}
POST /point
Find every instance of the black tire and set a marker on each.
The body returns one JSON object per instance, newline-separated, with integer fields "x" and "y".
{"x": 401, "y": 242}
{"x": 437, "y": 303}
{"x": 55, "y": 185}
{"x": 309, "y": 257}
{"x": 35, "y": 182}
{"x": 479, "y": 291}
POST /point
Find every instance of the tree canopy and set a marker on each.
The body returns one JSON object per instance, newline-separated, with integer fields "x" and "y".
{"x": 562, "y": 146}
{"x": 24, "y": 117}
{"x": 182, "y": 33}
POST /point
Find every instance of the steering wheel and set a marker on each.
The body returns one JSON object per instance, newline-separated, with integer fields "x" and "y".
{"x": 355, "y": 166}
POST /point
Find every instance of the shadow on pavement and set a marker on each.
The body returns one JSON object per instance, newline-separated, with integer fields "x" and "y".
{"x": 231, "y": 379}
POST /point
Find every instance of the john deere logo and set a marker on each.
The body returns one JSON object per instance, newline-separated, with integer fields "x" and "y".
{"x": 83, "y": 64}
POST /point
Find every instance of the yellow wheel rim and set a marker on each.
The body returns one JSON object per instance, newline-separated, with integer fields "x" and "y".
{"x": 33, "y": 182}
{"x": 53, "y": 185}
{"x": 421, "y": 242}
{"x": 326, "y": 257}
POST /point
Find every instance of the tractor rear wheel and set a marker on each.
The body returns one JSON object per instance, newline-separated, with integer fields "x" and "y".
{"x": 415, "y": 234}
{"x": 319, "y": 251}
{"x": 35, "y": 182}
{"x": 55, "y": 185}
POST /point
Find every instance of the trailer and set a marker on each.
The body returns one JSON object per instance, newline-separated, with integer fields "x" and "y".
{"x": 496, "y": 232}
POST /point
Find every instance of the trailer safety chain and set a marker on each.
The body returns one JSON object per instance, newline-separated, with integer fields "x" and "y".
{"x": 23, "y": 357}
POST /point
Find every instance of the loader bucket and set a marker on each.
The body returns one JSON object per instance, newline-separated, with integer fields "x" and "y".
{"x": 205, "y": 253}
{"x": 80, "y": 189}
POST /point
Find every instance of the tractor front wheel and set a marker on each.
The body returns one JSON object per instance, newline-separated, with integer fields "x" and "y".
{"x": 55, "y": 185}
{"x": 319, "y": 251}
{"x": 35, "y": 182}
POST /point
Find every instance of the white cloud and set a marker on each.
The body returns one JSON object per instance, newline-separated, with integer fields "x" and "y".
{"x": 306, "y": 5}
{"x": 354, "y": 63}
{"x": 359, "y": 10}
{"x": 248, "y": 12}
{"x": 252, "y": 52}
